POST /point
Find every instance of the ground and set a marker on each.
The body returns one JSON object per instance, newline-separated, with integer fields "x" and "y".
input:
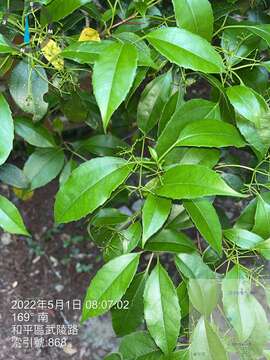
{"x": 57, "y": 263}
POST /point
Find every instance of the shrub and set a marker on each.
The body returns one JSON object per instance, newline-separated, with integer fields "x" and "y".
{"x": 155, "y": 119}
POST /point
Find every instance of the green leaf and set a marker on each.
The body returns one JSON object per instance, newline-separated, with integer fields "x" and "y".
{"x": 10, "y": 218}
{"x": 103, "y": 145}
{"x": 108, "y": 216}
{"x": 185, "y": 182}
{"x": 195, "y": 16}
{"x": 264, "y": 249}
{"x": 12, "y": 175}
{"x": 131, "y": 237}
{"x": 161, "y": 309}
{"x": 262, "y": 219}
{"x": 152, "y": 101}
{"x": 113, "y": 356}
{"x": 183, "y": 298}
{"x": 205, "y": 341}
{"x": 206, "y": 220}
{"x": 128, "y": 317}
{"x": 85, "y": 52}
{"x": 43, "y": 166}
{"x": 27, "y": 86}
{"x": 154, "y": 214}
{"x": 139, "y": 346}
{"x": 67, "y": 170}
{"x": 237, "y": 302}
{"x": 6, "y": 130}
{"x": 169, "y": 240}
{"x": 247, "y": 103}
{"x": 113, "y": 76}
{"x": 89, "y": 186}
{"x": 191, "y": 111}
{"x": 59, "y": 9}
{"x": 243, "y": 238}
{"x": 6, "y": 47}
{"x": 109, "y": 285}
{"x": 202, "y": 285}
{"x": 187, "y": 50}
{"x": 261, "y": 30}
{"x": 206, "y": 157}
{"x": 210, "y": 133}
{"x": 34, "y": 134}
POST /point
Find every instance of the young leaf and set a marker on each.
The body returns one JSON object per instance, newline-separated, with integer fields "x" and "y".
{"x": 27, "y": 86}
{"x": 206, "y": 220}
{"x": 210, "y": 133}
{"x": 127, "y": 319}
{"x": 191, "y": 182}
{"x": 205, "y": 341}
{"x": 243, "y": 238}
{"x": 113, "y": 76}
{"x": 169, "y": 240}
{"x": 152, "y": 101}
{"x": 6, "y": 130}
{"x": 10, "y": 218}
{"x": 161, "y": 309}
{"x": 34, "y": 134}
{"x": 154, "y": 214}
{"x": 262, "y": 219}
{"x": 195, "y": 16}
{"x": 109, "y": 285}
{"x": 89, "y": 186}
{"x": 43, "y": 166}
{"x": 139, "y": 346}
{"x": 186, "y": 49}
{"x": 191, "y": 111}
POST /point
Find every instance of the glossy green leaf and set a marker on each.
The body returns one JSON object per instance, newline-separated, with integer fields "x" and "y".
{"x": 67, "y": 170}
{"x": 131, "y": 237}
{"x": 113, "y": 76}
{"x": 6, "y": 47}
{"x": 103, "y": 145}
{"x": 179, "y": 218}
{"x": 243, "y": 238}
{"x": 195, "y": 16}
{"x": 59, "y": 9}
{"x": 43, "y": 166}
{"x": 186, "y": 49}
{"x": 237, "y": 302}
{"x": 263, "y": 248}
{"x": 152, "y": 101}
{"x": 183, "y": 298}
{"x": 206, "y": 220}
{"x": 262, "y": 219}
{"x": 12, "y": 175}
{"x": 191, "y": 111}
{"x": 210, "y": 133}
{"x": 205, "y": 157}
{"x": 169, "y": 240}
{"x": 27, "y": 86}
{"x": 139, "y": 346}
{"x": 109, "y": 285}
{"x": 261, "y": 30}
{"x": 10, "y": 218}
{"x": 207, "y": 342}
{"x": 154, "y": 214}
{"x": 202, "y": 284}
{"x": 113, "y": 356}
{"x": 161, "y": 309}
{"x": 128, "y": 317}
{"x": 108, "y": 216}
{"x": 6, "y": 130}
{"x": 34, "y": 134}
{"x": 85, "y": 52}
{"x": 89, "y": 186}
{"x": 185, "y": 182}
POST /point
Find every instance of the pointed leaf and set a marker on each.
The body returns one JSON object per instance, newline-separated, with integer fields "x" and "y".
{"x": 154, "y": 214}
{"x": 243, "y": 238}
{"x": 186, "y": 49}
{"x": 6, "y": 47}
{"x": 191, "y": 182}
{"x": 161, "y": 309}
{"x": 113, "y": 76}
{"x": 262, "y": 219}
{"x": 89, "y": 186}
{"x": 6, "y": 130}
{"x": 10, "y": 218}
{"x": 109, "y": 285}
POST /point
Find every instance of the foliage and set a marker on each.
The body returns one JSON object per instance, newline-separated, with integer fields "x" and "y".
{"x": 101, "y": 96}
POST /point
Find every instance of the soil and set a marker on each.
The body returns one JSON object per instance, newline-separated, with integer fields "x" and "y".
{"x": 57, "y": 263}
